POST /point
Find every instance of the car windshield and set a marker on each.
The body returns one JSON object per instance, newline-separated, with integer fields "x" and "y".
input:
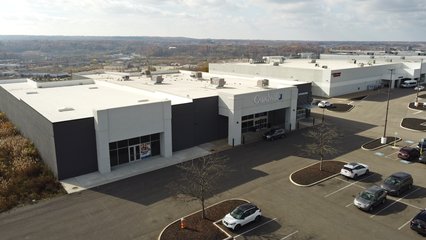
{"x": 367, "y": 196}
{"x": 392, "y": 181}
{"x": 237, "y": 213}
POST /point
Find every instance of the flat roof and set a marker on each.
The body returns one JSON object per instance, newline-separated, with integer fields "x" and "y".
{"x": 332, "y": 64}
{"x": 183, "y": 85}
{"x": 74, "y": 102}
{"x": 62, "y": 103}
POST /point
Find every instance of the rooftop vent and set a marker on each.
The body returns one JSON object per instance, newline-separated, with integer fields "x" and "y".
{"x": 316, "y": 65}
{"x": 158, "y": 79}
{"x": 313, "y": 61}
{"x": 93, "y": 87}
{"x": 197, "y": 75}
{"x": 33, "y": 92}
{"x": 263, "y": 83}
{"x": 324, "y": 66}
{"x": 218, "y": 82}
{"x": 143, "y": 100}
{"x": 65, "y": 109}
{"x": 276, "y": 64}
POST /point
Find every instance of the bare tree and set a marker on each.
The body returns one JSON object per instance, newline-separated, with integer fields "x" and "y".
{"x": 323, "y": 138}
{"x": 200, "y": 176}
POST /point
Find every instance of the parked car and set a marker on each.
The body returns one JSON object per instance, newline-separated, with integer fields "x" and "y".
{"x": 419, "y": 88}
{"x": 242, "y": 215}
{"x": 324, "y": 104}
{"x": 418, "y": 223}
{"x": 397, "y": 183}
{"x": 409, "y": 153}
{"x": 274, "y": 134}
{"x": 354, "y": 170}
{"x": 409, "y": 84}
{"x": 368, "y": 199}
{"x": 422, "y": 145}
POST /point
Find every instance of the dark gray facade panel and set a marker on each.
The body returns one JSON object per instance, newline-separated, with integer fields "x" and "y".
{"x": 75, "y": 143}
{"x": 197, "y": 122}
{"x": 276, "y": 117}
{"x": 303, "y": 100}
{"x": 32, "y": 125}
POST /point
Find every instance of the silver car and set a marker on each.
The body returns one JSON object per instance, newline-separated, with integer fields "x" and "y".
{"x": 368, "y": 199}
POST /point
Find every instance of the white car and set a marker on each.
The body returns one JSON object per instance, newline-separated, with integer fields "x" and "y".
{"x": 419, "y": 88}
{"x": 354, "y": 170}
{"x": 324, "y": 104}
{"x": 242, "y": 215}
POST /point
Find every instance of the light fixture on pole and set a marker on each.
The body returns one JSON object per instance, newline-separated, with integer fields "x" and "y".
{"x": 383, "y": 140}
{"x": 416, "y": 103}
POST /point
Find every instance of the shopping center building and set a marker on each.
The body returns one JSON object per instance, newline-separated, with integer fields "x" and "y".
{"x": 98, "y": 122}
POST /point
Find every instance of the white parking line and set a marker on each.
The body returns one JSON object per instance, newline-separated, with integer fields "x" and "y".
{"x": 394, "y": 202}
{"x": 291, "y": 234}
{"x": 418, "y": 112}
{"x": 404, "y": 224}
{"x": 255, "y": 227}
{"x": 351, "y": 184}
{"x": 350, "y": 204}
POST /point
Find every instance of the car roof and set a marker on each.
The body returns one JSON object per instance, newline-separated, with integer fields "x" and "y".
{"x": 406, "y": 148}
{"x": 421, "y": 215}
{"x": 246, "y": 206}
{"x": 373, "y": 189}
{"x": 400, "y": 175}
{"x": 352, "y": 165}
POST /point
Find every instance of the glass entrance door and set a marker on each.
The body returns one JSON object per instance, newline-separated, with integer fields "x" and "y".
{"x": 134, "y": 153}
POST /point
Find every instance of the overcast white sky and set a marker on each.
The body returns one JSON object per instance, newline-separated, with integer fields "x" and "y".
{"x": 358, "y": 20}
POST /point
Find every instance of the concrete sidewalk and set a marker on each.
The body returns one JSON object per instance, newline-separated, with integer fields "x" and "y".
{"x": 94, "y": 179}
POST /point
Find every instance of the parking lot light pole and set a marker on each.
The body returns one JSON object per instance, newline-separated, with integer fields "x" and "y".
{"x": 383, "y": 140}
{"x": 416, "y": 103}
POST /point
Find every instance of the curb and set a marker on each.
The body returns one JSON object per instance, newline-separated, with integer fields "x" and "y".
{"x": 312, "y": 184}
{"x": 415, "y": 109}
{"x": 398, "y": 139}
{"x": 241, "y": 199}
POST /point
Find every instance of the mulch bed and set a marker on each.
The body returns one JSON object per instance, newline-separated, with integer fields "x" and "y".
{"x": 414, "y": 124}
{"x": 198, "y": 228}
{"x": 312, "y": 174}
{"x": 420, "y": 106}
{"x": 376, "y": 143}
{"x": 340, "y": 107}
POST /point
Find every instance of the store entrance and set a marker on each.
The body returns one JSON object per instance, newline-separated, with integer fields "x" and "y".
{"x": 134, "y": 153}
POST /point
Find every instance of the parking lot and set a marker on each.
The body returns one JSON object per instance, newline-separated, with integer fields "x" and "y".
{"x": 326, "y": 211}
{"x": 141, "y": 206}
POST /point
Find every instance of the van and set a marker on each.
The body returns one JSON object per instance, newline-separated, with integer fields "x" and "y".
{"x": 409, "y": 84}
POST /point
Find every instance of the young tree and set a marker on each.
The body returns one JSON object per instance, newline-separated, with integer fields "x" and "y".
{"x": 323, "y": 137}
{"x": 199, "y": 176}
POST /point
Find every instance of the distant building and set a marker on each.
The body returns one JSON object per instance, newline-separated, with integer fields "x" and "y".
{"x": 334, "y": 75}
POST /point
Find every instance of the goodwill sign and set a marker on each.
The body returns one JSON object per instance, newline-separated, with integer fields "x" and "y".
{"x": 268, "y": 98}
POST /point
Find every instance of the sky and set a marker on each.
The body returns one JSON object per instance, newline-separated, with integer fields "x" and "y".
{"x": 312, "y": 20}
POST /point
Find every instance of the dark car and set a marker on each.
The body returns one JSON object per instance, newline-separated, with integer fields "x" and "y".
{"x": 274, "y": 134}
{"x": 418, "y": 223}
{"x": 422, "y": 145}
{"x": 409, "y": 153}
{"x": 370, "y": 198}
{"x": 397, "y": 183}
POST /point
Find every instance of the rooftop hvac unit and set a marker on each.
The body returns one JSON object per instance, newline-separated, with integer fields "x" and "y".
{"x": 276, "y": 64}
{"x": 324, "y": 66}
{"x": 263, "y": 83}
{"x": 313, "y": 61}
{"x": 158, "y": 79}
{"x": 218, "y": 82}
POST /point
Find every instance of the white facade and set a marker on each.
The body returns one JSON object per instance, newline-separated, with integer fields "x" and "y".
{"x": 235, "y": 106}
{"x": 115, "y": 124}
{"x": 331, "y": 76}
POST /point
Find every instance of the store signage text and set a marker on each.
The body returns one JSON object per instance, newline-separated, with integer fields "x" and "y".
{"x": 269, "y": 98}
